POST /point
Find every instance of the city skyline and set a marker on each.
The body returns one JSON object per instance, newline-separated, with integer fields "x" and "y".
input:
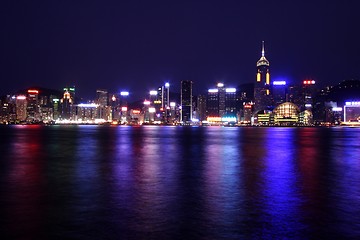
{"x": 200, "y": 119}
{"x": 125, "y": 45}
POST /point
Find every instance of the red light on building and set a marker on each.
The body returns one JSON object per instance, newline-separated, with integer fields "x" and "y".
{"x": 308, "y": 82}
{"x": 247, "y": 106}
{"x": 136, "y": 111}
{"x": 33, "y": 91}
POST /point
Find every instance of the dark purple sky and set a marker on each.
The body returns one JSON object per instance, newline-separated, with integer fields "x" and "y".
{"x": 139, "y": 45}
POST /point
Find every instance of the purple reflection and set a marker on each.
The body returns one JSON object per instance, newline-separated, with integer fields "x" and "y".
{"x": 145, "y": 176}
{"x": 222, "y": 182}
{"x": 346, "y": 178}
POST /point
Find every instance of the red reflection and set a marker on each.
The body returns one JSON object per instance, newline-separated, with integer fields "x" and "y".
{"x": 308, "y": 157}
{"x": 25, "y": 184}
{"x": 308, "y": 154}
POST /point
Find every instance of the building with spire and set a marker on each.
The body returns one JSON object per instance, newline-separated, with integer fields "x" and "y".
{"x": 262, "y": 90}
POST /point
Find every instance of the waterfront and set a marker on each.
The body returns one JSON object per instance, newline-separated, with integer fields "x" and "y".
{"x": 162, "y": 182}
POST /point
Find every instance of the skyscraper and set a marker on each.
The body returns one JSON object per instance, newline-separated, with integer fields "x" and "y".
{"x": 221, "y": 101}
{"x": 262, "y": 94}
{"x": 33, "y": 107}
{"x": 212, "y": 103}
{"x": 231, "y": 102}
{"x": 279, "y": 91}
{"x": 67, "y": 103}
{"x": 201, "y": 107}
{"x": 186, "y": 101}
{"x": 221, "y": 95}
{"x": 309, "y": 91}
{"x": 21, "y": 108}
{"x": 102, "y": 99}
{"x": 164, "y": 100}
{"x": 166, "y": 95}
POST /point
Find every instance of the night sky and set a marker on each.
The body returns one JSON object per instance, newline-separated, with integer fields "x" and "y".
{"x": 140, "y": 45}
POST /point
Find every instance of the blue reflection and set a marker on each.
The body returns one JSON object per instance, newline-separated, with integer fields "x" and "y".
{"x": 282, "y": 201}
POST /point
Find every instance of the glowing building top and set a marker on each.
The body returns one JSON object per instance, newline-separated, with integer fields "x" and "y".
{"x": 263, "y": 61}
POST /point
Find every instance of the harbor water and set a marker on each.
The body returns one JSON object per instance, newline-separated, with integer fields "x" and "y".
{"x": 164, "y": 182}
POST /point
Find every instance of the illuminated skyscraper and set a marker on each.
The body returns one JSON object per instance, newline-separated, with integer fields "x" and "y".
{"x": 21, "y": 106}
{"x": 67, "y": 103}
{"x": 231, "y": 102}
{"x": 221, "y": 101}
{"x": 113, "y": 103}
{"x": 186, "y": 101}
{"x": 221, "y": 95}
{"x": 212, "y": 103}
{"x": 124, "y": 106}
{"x": 71, "y": 91}
{"x": 279, "y": 92}
{"x": 163, "y": 102}
{"x": 262, "y": 94}
{"x": 160, "y": 102}
{"x": 166, "y": 95}
{"x": 33, "y": 107}
{"x": 309, "y": 91}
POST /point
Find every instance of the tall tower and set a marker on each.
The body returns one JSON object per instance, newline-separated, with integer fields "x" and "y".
{"x": 221, "y": 95}
{"x": 262, "y": 94}
{"x": 186, "y": 101}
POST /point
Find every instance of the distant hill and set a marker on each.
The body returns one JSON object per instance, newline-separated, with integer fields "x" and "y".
{"x": 42, "y": 91}
{"x": 348, "y": 90}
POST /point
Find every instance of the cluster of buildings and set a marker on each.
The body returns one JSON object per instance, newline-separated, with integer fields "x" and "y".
{"x": 263, "y": 103}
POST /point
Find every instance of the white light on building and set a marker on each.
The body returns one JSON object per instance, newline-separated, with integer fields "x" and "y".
{"x": 230, "y": 90}
{"x": 88, "y": 105}
{"x": 213, "y": 90}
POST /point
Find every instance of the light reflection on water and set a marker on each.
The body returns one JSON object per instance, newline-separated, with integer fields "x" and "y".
{"x": 146, "y": 182}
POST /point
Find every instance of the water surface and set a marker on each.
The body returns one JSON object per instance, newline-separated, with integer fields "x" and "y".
{"x": 156, "y": 182}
